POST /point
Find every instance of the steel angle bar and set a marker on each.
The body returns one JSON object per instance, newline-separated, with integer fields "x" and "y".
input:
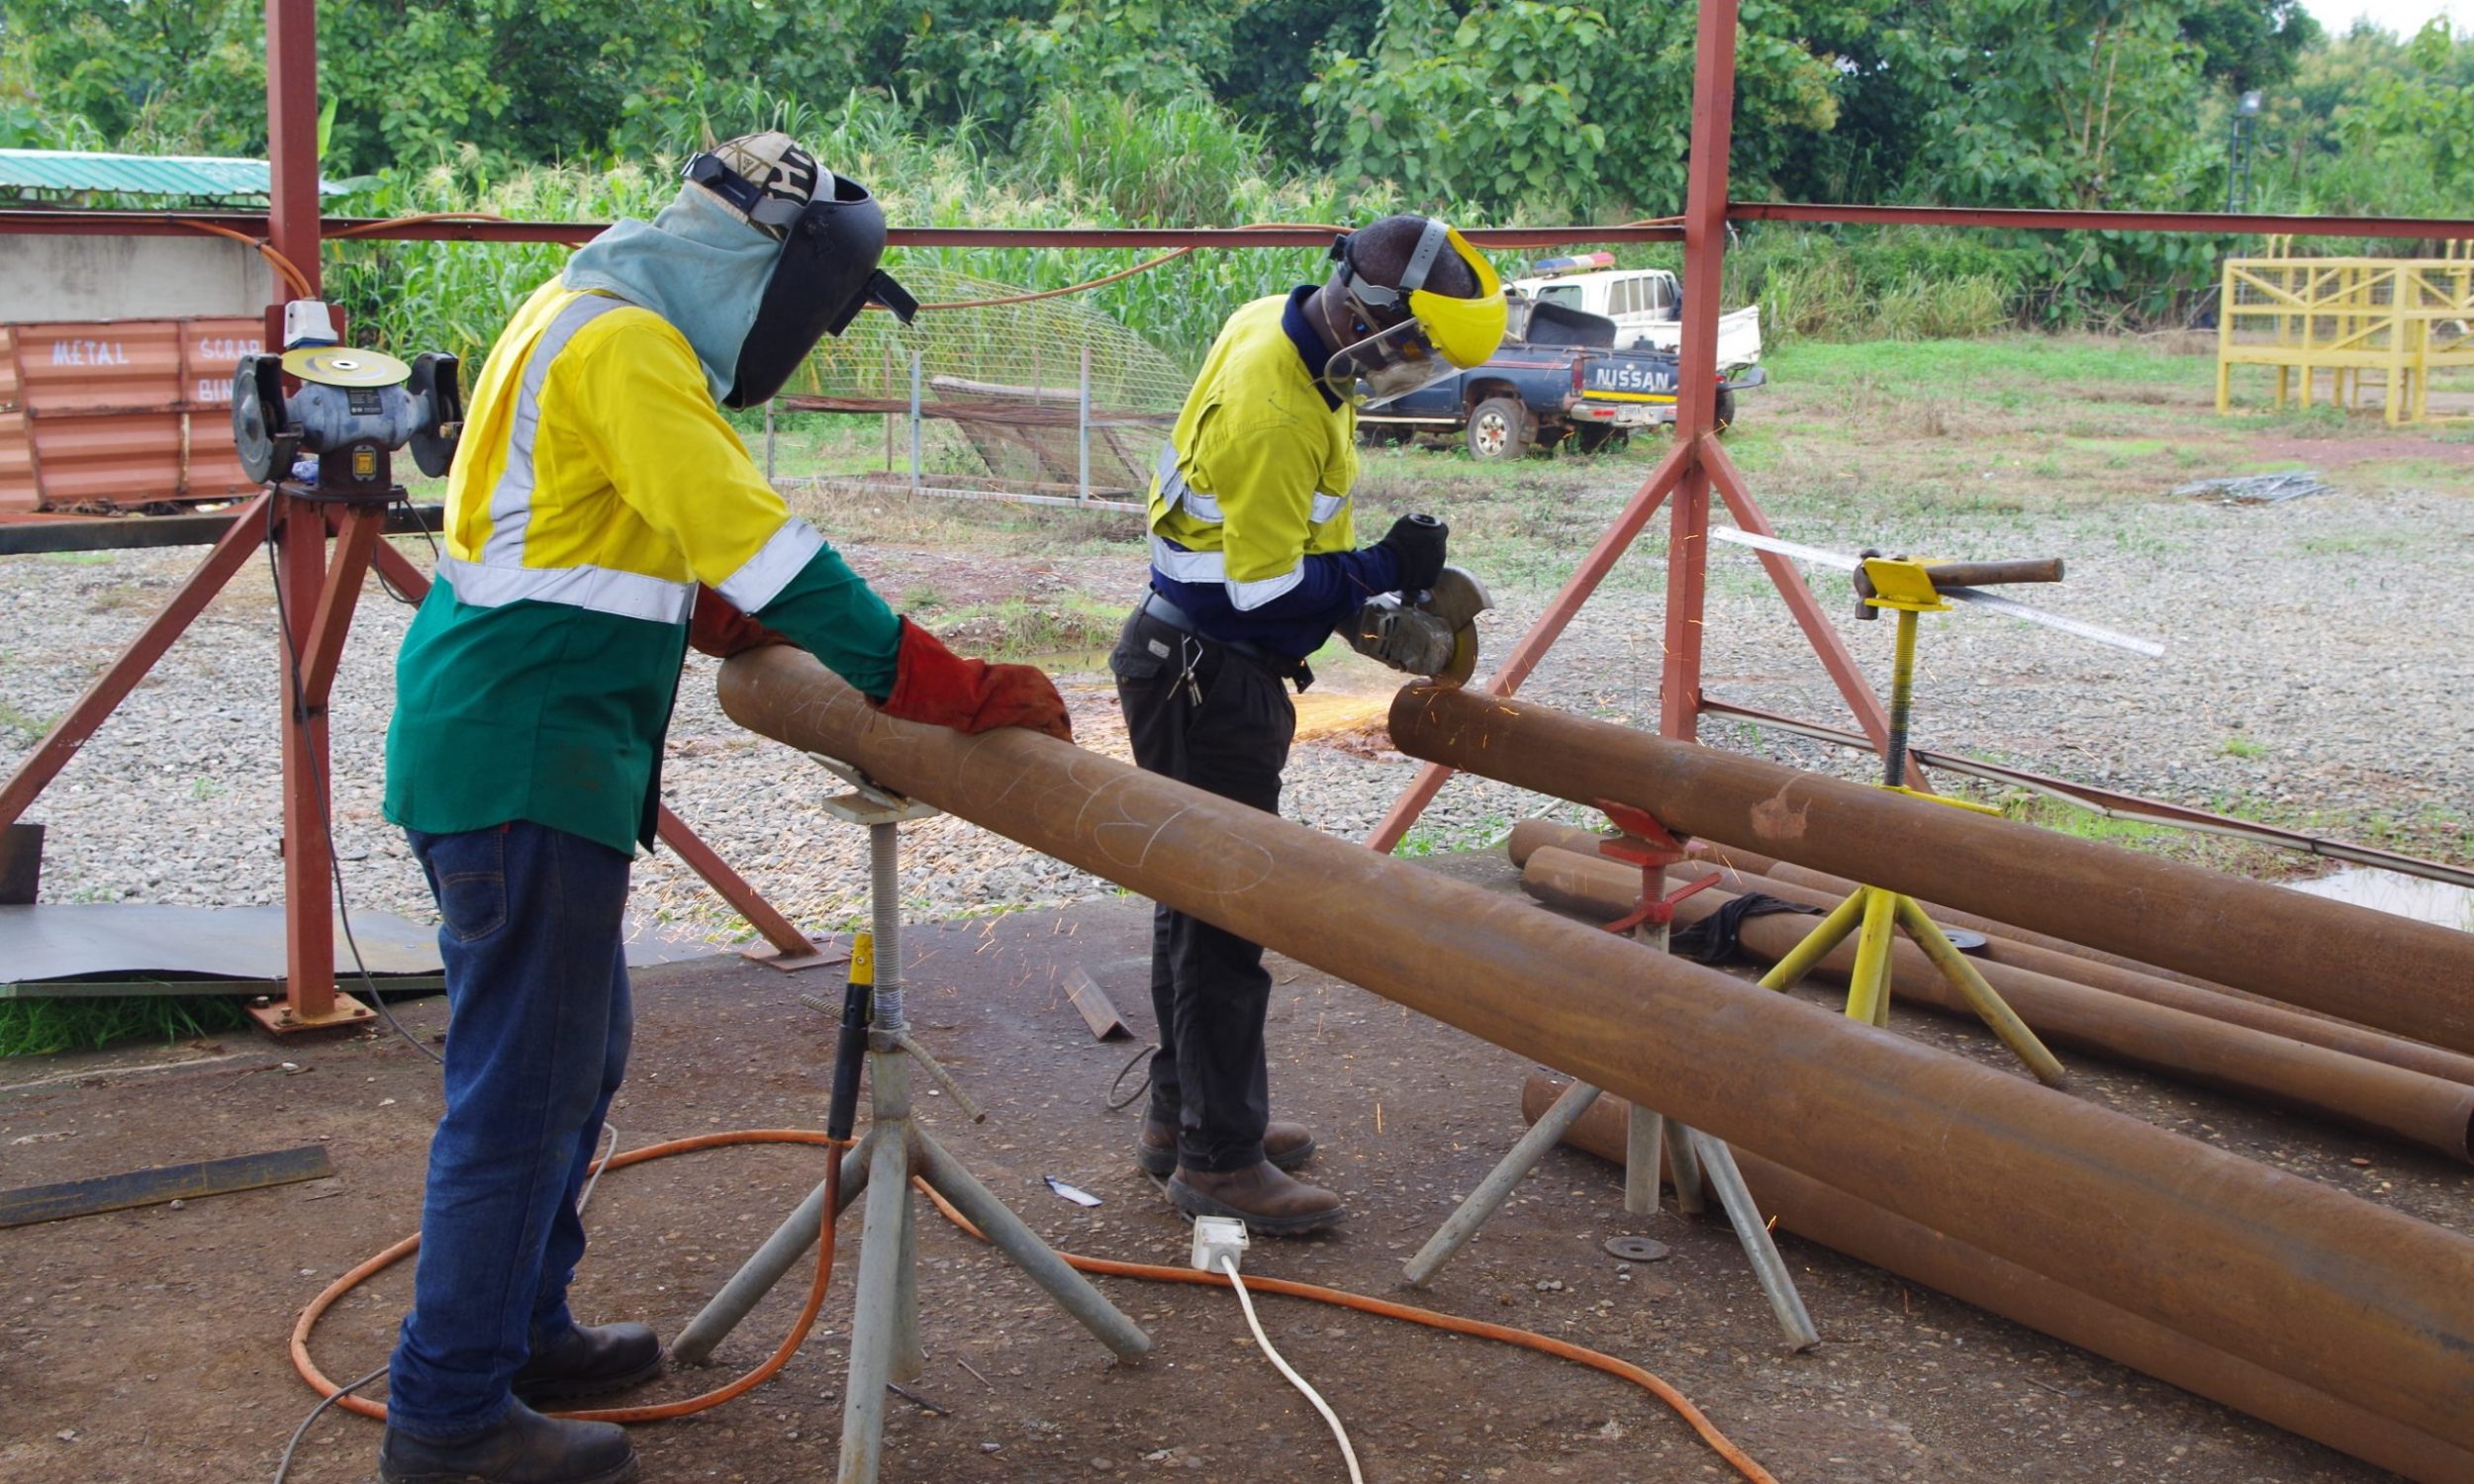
{"x": 2367, "y": 966}
{"x": 2365, "y": 1303}
{"x": 69, "y": 223}
{"x": 151, "y": 1187}
{"x": 2242, "y": 223}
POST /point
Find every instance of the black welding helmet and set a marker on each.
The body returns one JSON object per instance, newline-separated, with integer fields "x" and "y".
{"x": 832, "y": 235}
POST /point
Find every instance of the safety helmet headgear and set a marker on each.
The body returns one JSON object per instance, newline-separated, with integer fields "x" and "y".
{"x": 1411, "y": 336}
{"x": 832, "y": 235}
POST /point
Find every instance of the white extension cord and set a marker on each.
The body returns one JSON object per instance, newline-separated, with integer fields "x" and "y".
{"x": 1227, "y": 1257}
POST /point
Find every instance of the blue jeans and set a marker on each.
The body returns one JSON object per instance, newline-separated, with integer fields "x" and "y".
{"x": 536, "y": 987}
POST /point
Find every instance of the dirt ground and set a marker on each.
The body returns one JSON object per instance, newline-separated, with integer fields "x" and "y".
{"x": 149, "y": 1345}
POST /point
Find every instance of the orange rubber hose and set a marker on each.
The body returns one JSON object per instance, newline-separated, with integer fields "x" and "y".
{"x": 291, "y": 274}
{"x": 1736, "y": 1458}
{"x": 660, "y": 1412}
{"x": 1562, "y": 1349}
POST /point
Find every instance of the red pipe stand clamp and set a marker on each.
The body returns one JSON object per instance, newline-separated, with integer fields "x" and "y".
{"x": 1649, "y": 845}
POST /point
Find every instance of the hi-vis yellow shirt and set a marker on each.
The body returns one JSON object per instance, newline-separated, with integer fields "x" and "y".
{"x": 595, "y": 486}
{"x": 1257, "y": 471}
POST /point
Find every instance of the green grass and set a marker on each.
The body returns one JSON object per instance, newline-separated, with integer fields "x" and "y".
{"x": 2243, "y": 747}
{"x": 2025, "y": 369}
{"x": 18, "y": 718}
{"x": 45, "y": 1027}
{"x": 1018, "y": 629}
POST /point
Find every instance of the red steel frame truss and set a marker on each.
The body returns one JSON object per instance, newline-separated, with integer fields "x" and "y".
{"x": 319, "y": 593}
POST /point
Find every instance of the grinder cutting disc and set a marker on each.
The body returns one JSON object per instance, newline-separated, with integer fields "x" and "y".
{"x": 1463, "y": 656}
{"x": 345, "y": 366}
{"x": 1458, "y": 598}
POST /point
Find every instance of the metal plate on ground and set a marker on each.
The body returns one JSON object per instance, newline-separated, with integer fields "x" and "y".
{"x": 1635, "y": 1248}
{"x": 64, "y": 949}
{"x": 70, "y": 941}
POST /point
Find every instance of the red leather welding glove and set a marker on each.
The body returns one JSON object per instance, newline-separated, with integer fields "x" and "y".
{"x": 933, "y": 683}
{"x": 718, "y": 628}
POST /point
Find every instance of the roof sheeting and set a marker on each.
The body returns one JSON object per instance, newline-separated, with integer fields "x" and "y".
{"x": 137, "y": 174}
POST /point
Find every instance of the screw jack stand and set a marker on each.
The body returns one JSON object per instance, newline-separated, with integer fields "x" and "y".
{"x": 885, "y": 1326}
{"x": 1872, "y": 913}
{"x": 1692, "y": 1155}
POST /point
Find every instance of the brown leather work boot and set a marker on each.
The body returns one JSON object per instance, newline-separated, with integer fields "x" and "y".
{"x": 1262, "y": 1197}
{"x": 1287, "y": 1145}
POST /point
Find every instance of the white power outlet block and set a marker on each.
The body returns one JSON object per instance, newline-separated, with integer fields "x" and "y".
{"x": 1217, "y": 1236}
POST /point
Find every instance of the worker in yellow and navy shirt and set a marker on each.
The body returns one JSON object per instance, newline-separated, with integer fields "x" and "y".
{"x": 1254, "y": 563}
{"x": 599, "y": 504}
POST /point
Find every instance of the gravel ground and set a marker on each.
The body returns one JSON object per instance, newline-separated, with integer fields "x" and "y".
{"x": 2316, "y": 667}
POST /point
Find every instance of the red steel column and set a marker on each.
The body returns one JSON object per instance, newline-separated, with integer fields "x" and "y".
{"x": 308, "y": 891}
{"x": 300, "y": 532}
{"x": 1697, "y": 392}
{"x": 292, "y": 135}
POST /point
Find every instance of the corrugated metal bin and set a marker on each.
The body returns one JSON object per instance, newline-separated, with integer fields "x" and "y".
{"x": 120, "y": 414}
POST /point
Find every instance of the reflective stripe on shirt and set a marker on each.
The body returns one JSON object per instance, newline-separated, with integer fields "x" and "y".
{"x": 762, "y": 577}
{"x": 603, "y": 590}
{"x": 511, "y": 503}
{"x": 1175, "y": 561}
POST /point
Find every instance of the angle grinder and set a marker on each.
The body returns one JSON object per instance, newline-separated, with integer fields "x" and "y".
{"x": 1433, "y": 633}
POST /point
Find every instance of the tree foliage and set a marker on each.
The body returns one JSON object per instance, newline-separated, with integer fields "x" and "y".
{"x": 1165, "y": 111}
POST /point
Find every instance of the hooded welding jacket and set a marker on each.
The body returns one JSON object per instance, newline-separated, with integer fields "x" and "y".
{"x": 1251, "y": 529}
{"x": 595, "y": 486}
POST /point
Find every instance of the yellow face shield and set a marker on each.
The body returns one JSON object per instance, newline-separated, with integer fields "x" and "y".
{"x": 1429, "y": 335}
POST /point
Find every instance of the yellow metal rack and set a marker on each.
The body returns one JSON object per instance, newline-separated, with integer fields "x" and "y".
{"x": 2398, "y": 319}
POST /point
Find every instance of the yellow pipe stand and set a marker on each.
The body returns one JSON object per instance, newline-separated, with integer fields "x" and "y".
{"x": 1874, "y": 913}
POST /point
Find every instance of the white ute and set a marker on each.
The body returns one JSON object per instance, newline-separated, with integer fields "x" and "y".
{"x": 1646, "y": 304}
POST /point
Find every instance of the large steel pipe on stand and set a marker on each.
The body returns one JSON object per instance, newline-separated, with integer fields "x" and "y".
{"x": 2424, "y": 1110}
{"x": 2361, "y": 1302}
{"x": 1864, "y": 1231}
{"x": 2412, "y": 977}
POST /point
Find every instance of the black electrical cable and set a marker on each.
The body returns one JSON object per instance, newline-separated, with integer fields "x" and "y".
{"x": 584, "y": 1198}
{"x": 284, "y": 1468}
{"x": 1116, "y": 1102}
{"x": 412, "y": 513}
{"x": 326, "y": 817}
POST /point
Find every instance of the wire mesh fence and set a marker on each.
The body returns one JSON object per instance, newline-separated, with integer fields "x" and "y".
{"x": 983, "y": 394}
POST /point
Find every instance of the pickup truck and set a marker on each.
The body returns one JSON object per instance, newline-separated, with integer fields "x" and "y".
{"x": 1645, "y": 304}
{"x": 1557, "y": 377}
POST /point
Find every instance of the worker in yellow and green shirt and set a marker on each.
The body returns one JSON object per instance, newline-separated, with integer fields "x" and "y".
{"x": 599, "y": 514}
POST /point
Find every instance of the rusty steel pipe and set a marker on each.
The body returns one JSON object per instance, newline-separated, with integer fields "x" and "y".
{"x": 1866, "y": 1232}
{"x": 1529, "y": 834}
{"x": 2412, "y": 977}
{"x": 2040, "y": 950}
{"x": 2365, "y": 1303}
{"x": 1748, "y": 870}
{"x": 2428, "y": 1111}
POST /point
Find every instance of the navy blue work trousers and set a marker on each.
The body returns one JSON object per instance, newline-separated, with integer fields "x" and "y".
{"x": 539, "y": 1018}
